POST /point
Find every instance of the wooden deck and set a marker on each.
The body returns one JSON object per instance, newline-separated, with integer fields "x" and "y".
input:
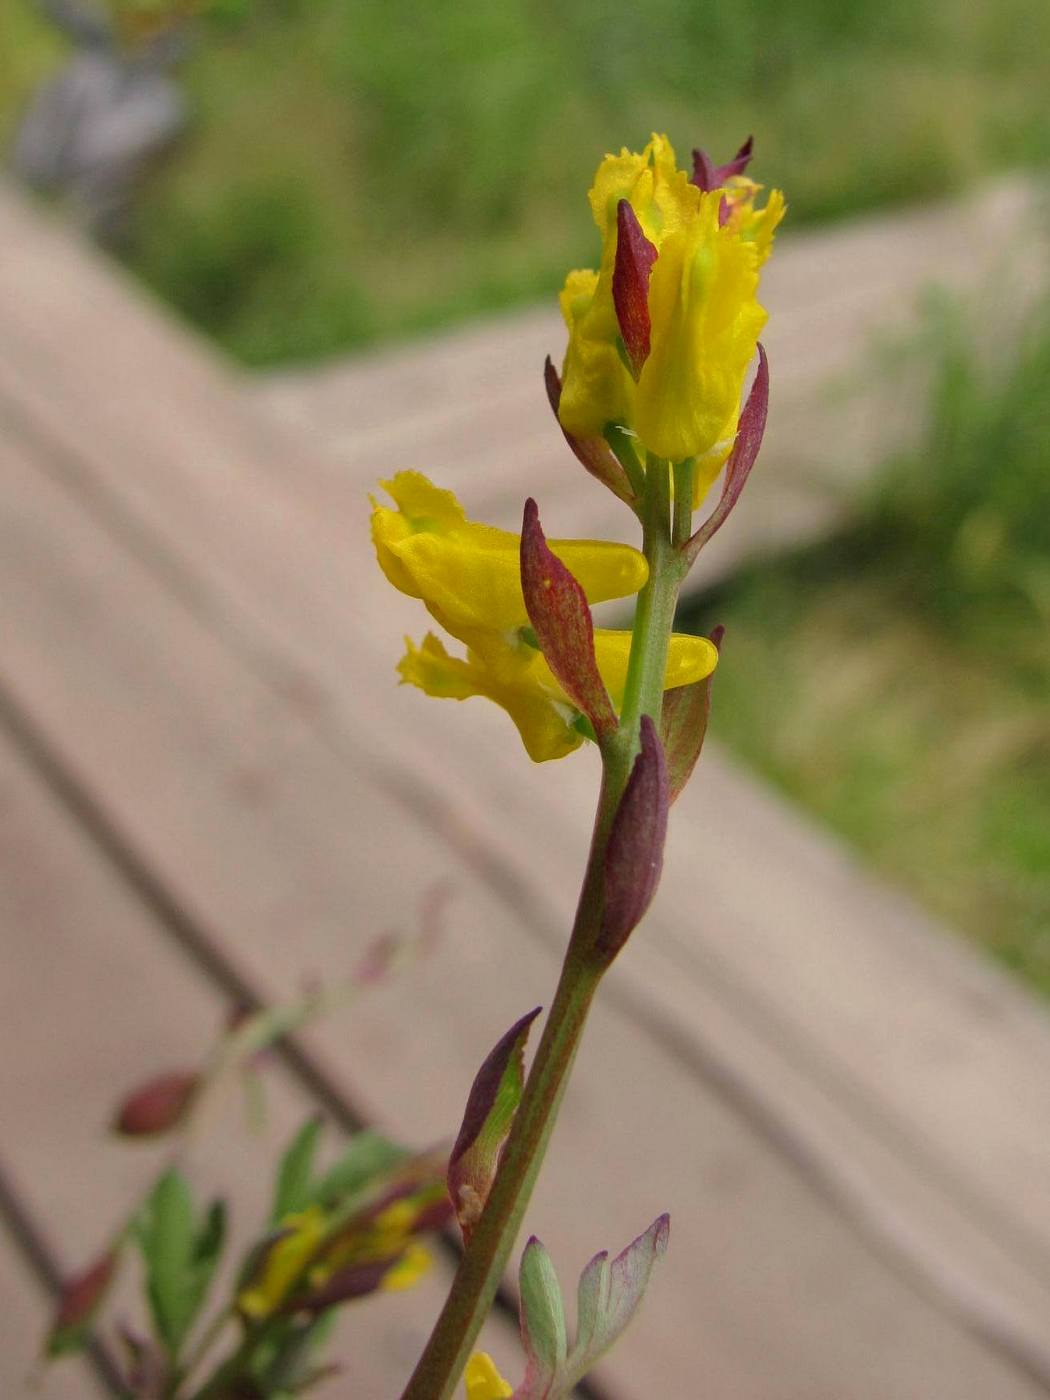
{"x": 211, "y": 787}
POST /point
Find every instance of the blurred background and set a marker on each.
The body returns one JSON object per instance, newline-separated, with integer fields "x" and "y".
{"x": 325, "y": 177}
{"x": 363, "y": 207}
{"x": 385, "y": 166}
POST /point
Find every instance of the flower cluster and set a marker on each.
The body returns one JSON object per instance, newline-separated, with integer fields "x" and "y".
{"x": 650, "y": 400}
{"x": 660, "y": 340}
{"x": 313, "y": 1262}
{"x": 468, "y": 575}
{"x": 661, "y": 335}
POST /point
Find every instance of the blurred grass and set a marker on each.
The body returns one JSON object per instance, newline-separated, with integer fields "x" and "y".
{"x": 896, "y": 681}
{"x": 361, "y": 171}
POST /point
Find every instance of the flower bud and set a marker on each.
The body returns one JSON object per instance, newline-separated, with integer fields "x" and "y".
{"x": 158, "y": 1105}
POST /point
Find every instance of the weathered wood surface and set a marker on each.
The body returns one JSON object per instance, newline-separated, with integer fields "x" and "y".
{"x": 97, "y": 996}
{"x": 844, "y": 1110}
{"x": 845, "y": 302}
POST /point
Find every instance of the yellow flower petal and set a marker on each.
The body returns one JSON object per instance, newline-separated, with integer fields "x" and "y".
{"x": 523, "y": 688}
{"x": 597, "y": 388}
{"x": 408, "y": 1270}
{"x": 688, "y": 659}
{"x": 483, "y": 1381}
{"x": 516, "y": 677}
{"x": 283, "y": 1262}
{"x": 468, "y": 574}
{"x": 755, "y": 226}
{"x": 705, "y": 325}
{"x": 660, "y": 194}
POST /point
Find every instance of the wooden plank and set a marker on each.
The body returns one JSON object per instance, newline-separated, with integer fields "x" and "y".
{"x": 150, "y": 709}
{"x": 89, "y": 958}
{"x": 251, "y": 513}
{"x": 473, "y": 399}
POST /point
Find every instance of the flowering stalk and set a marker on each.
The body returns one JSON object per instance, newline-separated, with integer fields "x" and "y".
{"x": 485, "y": 1259}
{"x": 660, "y": 339}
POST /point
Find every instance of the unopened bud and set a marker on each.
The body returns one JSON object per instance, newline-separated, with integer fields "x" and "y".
{"x": 158, "y": 1105}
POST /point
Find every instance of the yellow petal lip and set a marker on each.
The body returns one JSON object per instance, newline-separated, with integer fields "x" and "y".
{"x": 483, "y": 1381}
{"x": 689, "y": 659}
{"x": 468, "y": 574}
{"x": 409, "y": 1269}
{"x": 283, "y": 1262}
{"x": 516, "y": 677}
{"x": 705, "y": 325}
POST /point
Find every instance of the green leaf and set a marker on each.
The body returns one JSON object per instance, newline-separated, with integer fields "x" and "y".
{"x": 292, "y": 1188}
{"x": 180, "y": 1258}
{"x": 542, "y": 1317}
{"x": 608, "y": 1297}
{"x": 368, "y": 1156}
{"x": 207, "y": 1248}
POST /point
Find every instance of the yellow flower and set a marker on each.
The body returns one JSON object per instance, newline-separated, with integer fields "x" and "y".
{"x": 283, "y": 1262}
{"x": 408, "y": 1270}
{"x": 515, "y": 676}
{"x": 468, "y": 574}
{"x": 702, "y": 301}
{"x": 705, "y": 326}
{"x": 483, "y": 1381}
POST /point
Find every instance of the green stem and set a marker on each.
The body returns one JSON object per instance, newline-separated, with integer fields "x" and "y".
{"x": 485, "y": 1258}
{"x": 682, "y": 527}
{"x": 654, "y": 620}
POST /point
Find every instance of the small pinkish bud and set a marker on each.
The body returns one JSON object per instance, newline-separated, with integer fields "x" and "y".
{"x": 593, "y": 453}
{"x": 635, "y": 851}
{"x": 635, "y": 256}
{"x": 377, "y": 959}
{"x": 79, "y": 1302}
{"x": 158, "y": 1105}
{"x": 558, "y": 610}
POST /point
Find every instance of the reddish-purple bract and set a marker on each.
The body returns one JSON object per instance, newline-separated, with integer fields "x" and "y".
{"x": 740, "y": 461}
{"x": 635, "y": 256}
{"x": 558, "y": 610}
{"x": 593, "y": 453}
{"x": 708, "y": 176}
{"x": 487, "y": 1119}
{"x": 79, "y": 1301}
{"x": 635, "y": 851}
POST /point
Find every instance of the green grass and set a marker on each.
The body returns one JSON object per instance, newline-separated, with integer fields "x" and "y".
{"x": 896, "y": 681}
{"x": 362, "y": 171}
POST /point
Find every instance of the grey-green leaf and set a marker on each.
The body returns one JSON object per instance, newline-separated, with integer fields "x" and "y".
{"x": 180, "y": 1259}
{"x": 292, "y": 1188}
{"x": 609, "y": 1296}
{"x": 543, "y": 1316}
